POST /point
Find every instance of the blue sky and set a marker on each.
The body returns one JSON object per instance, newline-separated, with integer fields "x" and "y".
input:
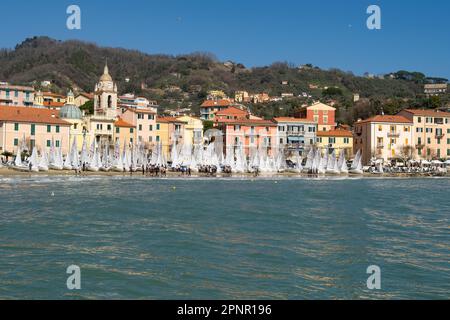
{"x": 415, "y": 34}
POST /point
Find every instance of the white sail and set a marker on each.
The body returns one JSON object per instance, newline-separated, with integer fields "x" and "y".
{"x": 43, "y": 161}
{"x": 33, "y": 161}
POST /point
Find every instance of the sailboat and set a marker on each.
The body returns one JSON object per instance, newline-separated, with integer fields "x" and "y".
{"x": 94, "y": 164}
{"x": 33, "y": 161}
{"x": 342, "y": 163}
{"x": 332, "y": 167}
{"x": 43, "y": 161}
{"x": 117, "y": 164}
{"x": 356, "y": 167}
{"x": 18, "y": 164}
{"x": 74, "y": 155}
{"x": 56, "y": 155}
{"x": 68, "y": 162}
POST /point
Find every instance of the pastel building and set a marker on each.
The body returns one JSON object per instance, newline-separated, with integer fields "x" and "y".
{"x": 36, "y": 126}
{"x": 169, "y": 131}
{"x": 336, "y": 140}
{"x": 431, "y": 133}
{"x": 249, "y": 133}
{"x": 383, "y": 137}
{"x": 144, "y": 121}
{"x": 193, "y": 129}
{"x": 322, "y": 114}
{"x": 73, "y": 115}
{"x": 209, "y": 108}
{"x": 124, "y": 132}
{"x": 20, "y": 96}
{"x": 297, "y": 135}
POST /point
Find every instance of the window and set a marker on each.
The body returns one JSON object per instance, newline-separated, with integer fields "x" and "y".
{"x": 150, "y": 127}
{"x": 158, "y": 126}
{"x": 419, "y": 141}
{"x": 49, "y": 143}
{"x": 331, "y": 140}
{"x": 49, "y": 128}
{"x": 448, "y": 140}
{"x": 157, "y": 138}
{"x": 131, "y": 140}
{"x": 57, "y": 143}
{"x": 406, "y": 142}
{"x": 109, "y": 127}
{"x": 16, "y": 127}
{"x": 448, "y": 152}
{"x": 316, "y": 118}
{"x": 325, "y": 119}
{"x": 428, "y": 140}
{"x": 419, "y": 119}
{"x": 57, "y": 129}
{"x": 406, "y": 129}
{"x": 117, "y": 130}
{"x": 319, "y": 140}
{"x": 346, "y": 140}
{"x": 32, "y": 143}
{"x": 16, "y": 142}
{"x": 237, "y": 127}
{"x": 380, "y": 127}
{"x": 16, "y": 94}
{"x": 140, "y": 127}
{"x": 131, "y": 130}
{"x": 33, "y": 129}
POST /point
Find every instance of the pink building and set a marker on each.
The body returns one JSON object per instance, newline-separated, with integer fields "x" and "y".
{"x": 249, "y": 133}
{"x": 144, "y": 121}
{"x": 39, "y": 127}
{"x": 16, "y": 95}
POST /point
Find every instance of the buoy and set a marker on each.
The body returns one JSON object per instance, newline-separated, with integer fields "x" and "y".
{"x": 53, "y": 194}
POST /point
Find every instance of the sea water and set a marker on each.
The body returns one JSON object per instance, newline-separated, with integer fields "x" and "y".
{"x": 274, "y": 238}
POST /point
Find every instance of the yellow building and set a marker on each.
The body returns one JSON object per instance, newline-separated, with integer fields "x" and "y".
{"x": 72, "y": 114}
{"x": 124, "y": 132}
{"x": 193, "y": 129}
{"x": 338, "y": 139}
{"x": 168, "y": 131}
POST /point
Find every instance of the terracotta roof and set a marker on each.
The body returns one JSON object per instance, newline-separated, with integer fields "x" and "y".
{"x": 292, "y": 119}
{"x": 121, "y": 123}
{"x": 216, "y": 103}
{"x": 53, "y": 104}
{"x": 231, "y": 111}
{"x": 387, "y": 119}
{"x": 427, "y": 112}
{"x": 86, "y": 95}
{"x": 51, "y": 94}
{"x": 169, "y": 120}
{"x": 31, "y": 115}
{"x": 335, "y": 133}
{"x": 248, "y": 122}
{"x": 138, "y": 110}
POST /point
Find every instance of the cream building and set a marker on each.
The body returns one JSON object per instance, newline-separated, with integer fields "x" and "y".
{"x": 384, "y": 137}
{"x": 72, "y": 114}
{"x": 101, "y": 124}
{"x": 193, "y": 129}
{"x": 431, "y": 134}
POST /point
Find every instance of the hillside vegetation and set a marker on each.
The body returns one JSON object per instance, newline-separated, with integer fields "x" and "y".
{"x": 183, "y": 81}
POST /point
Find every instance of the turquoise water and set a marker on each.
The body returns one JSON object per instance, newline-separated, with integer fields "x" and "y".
{"x": 224, "y": 239}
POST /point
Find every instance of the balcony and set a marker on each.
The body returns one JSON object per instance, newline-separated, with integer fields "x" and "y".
{"x": 296, "y": 133}
{"x": 393, "y": 135}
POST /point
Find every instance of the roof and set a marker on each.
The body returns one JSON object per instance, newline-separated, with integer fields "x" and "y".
{"x": 121, "y": 123}
{"x": 53, "y": 104}
{"x": 231, "y": 111}
{"x": 248, "y": 122}
{"x": 169, "y": 120}
{"x": 293, "y": 120}
{"x": 387, "y": 119}
{"x": 216, "y": 103}
{"x": 31, "y": 115}
{"x": 51, "y": 94}
{"x": 427, "y": 112}
{"x": 335, "y": 133}
{"x": 141, "y": 110}
{"x": 20, "y": 88}
{"x": 320, "y": 105}
{"x": 86, "y": 95}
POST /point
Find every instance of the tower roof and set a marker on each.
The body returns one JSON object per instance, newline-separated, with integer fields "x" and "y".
{"x": 106, "y": 76}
